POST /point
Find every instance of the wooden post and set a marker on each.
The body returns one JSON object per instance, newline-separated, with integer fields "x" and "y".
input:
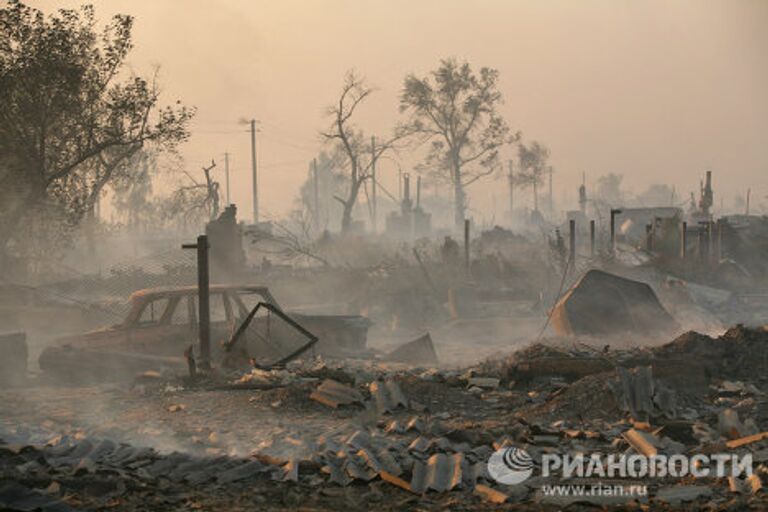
{"x": 572, "y": 241}
{"x": 702, "y": 243}
{"x": 719, "y": 241}
{"x": 749, "y": 190}
{"x": 592, "y": 238}
{"x": 203, "y": 300}
{"x": 418, "y": 191}
{"x": 684, "y": 241}
{"x": 614, "y": 213}
{"x": 649, "y": 237}
{"x": 226, "y": 176}
{"x": 705, "y": 241}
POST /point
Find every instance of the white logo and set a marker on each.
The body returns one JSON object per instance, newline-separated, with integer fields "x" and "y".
{"x": 510, "y": 466}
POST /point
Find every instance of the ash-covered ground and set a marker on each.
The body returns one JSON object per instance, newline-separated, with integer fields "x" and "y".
{"x": 323, "y": 435}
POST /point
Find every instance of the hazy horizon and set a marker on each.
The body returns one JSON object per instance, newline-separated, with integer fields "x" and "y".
{"x": 657, "y": 91}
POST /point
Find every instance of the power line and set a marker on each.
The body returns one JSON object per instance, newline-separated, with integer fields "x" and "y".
{"x": 288, "y": 143}
{"x": 218, "y": 132}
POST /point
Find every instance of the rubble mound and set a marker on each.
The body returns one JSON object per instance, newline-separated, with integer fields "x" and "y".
{"x": 741, "y": 352}
{"x": 589, "y": 398}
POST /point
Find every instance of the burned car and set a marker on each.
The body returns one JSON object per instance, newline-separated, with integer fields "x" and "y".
{"x": 162, "y": 323}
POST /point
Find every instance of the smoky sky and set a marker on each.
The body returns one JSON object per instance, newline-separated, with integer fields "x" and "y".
{"x": 658, "y": 90}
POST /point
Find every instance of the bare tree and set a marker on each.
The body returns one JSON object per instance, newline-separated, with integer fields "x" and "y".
{"x": 456, "y": 110}
{"x": 289, "y": 243}
{"x": 196, "y": 202}
{"x": 360, "y": 156}
{"x": 532, "y": 165}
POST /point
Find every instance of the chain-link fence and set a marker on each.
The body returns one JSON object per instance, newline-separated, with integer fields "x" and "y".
{"x": 107, "y": 291}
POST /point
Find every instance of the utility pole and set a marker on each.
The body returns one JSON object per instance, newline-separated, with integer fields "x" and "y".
{"x": 551, "y": 197}
{"x": 316, "y": 193}
{"x": 226, "y": 175}
{"x": 511, "y": 193}
{"x": 373, "y": 178}
{"x": 253, "y": 166}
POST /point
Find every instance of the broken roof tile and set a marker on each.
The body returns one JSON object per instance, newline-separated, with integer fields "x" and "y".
{"x": 440, "y": 473}
{"x": 333, "y": 394}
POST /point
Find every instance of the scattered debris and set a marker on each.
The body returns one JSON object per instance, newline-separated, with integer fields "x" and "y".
{"x": 387, "y": 396}
{"x": 483, "y": 382}
{"x": 334, "y": 394}
{"x": 743, "y": 441}
{"x": 643, "y": 442}
{"x": 440, "y": 473}
{"x": 440, "y": 448}
{"x": 491, "y": 495}
{"x": 683, "y": 493}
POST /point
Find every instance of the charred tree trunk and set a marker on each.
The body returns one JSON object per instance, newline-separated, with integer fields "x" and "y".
{"x": 349, "y": 205}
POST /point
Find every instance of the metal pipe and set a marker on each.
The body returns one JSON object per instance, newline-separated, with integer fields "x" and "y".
{"x": 203, "y": 300}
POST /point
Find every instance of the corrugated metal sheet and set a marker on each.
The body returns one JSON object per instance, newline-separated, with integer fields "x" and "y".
{"x": 440, "y": 473}
{"x": 387, "y": 396}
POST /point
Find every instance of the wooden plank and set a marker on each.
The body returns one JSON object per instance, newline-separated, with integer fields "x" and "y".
{"x": 736, "y": 443}
{"x": 392, "y": 479}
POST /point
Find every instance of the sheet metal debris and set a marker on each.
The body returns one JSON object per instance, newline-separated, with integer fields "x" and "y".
{"x": 419, "y": 351}
{"x": 602, "y": 303}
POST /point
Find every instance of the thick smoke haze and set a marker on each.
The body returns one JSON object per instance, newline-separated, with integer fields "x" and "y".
{"x": 656, "y": 90}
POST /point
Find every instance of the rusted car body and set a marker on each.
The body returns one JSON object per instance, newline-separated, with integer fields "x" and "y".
{"x": 162, "y": 323}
